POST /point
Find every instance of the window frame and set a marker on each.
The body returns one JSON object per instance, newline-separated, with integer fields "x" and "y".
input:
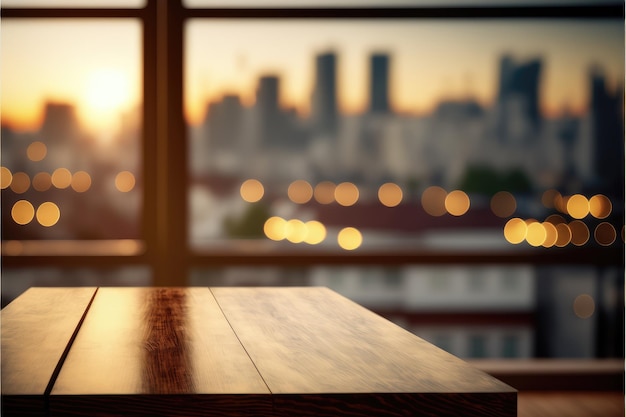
{"x": 166, "y": 250}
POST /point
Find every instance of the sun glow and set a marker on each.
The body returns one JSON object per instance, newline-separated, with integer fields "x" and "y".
{"x": 107, "y": 95}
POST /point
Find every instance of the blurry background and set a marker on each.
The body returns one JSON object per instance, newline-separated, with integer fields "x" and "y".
{"x": 463, "y": 177}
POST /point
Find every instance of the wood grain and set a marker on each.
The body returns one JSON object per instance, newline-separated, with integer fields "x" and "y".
{"x": 152, "y": 346}
{"x": 36, "y": 330}
{"x": 311, "y": 343}
{"x": 232, "y": 352}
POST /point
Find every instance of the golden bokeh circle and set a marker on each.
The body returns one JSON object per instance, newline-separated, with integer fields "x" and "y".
{"x": 515, "y": 230}
{"x": 580, "y": 232}
{"x": 536, "y": 234}
{"x": 20, "y": 182}
{"x": 390, "y": 194}
{"x": 61, "y": 178}
{"x": 5, "y": 177}
{"x": 457, "y": 203}
{"x": 125, "y": 181}
{"x": 503, "y": 204}
{"x": 434, "y": 201}
{"x": 42, "y": 181}
{"x": 275, "y": 228}
{"x": 48, "y": 214}
{"x": 349, "y": 238}
{"x": 300, "y": 192}
{"x": 22, "y": 212}
{"x": 296, "y": 231}
{"x": 316, "y": 232}
{"x": 251, "y": 190}
{"x": 584, "y": 306}
{"x": 552, "y": 235}
{"x": 578, "y": 206}
{"x": 81, "y": 181}
{"x": 600, "y": 206}
{"x": 36, "y": 151}
{"x": 605, "y": 234}
{"x": 324, "y": 192}
{"x": 346, "y": 194}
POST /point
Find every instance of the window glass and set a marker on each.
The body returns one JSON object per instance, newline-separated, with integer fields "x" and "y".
{"x": 71, "y": 129}
{"x": 17, "y": 280}
{"x": 356, "y": 135}
{"x": 544, "y": 318}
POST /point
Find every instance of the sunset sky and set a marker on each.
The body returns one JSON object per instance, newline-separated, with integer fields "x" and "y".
{"x": 97, "y": 64}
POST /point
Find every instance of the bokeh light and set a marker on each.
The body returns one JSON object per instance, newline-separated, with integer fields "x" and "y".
{"x": 81, "y": 181}
{"x": 48, "y": 214}
{"x": 390, "y": 194}
{"x": 503, "y": 204}
{"x": 578, "y": 206}
{"x": 275, "y": 228}
{"x": 349, "y": 238}
{"x": 346, "y": 194}
{"x": 515, "y": 230}
{"x": 324, "y": 192}
{"x": 564, "y": 235}
{"x": 560, "y": 202}
{"x": 556, "y": 219}
{"x": 605, "y": 234}
{"x": 551, "y": 235}
{"x": 457, "y": 203}
{"x": 549, "y": 197}
{"x": 22, "y": 212}
{"x": 5, "y": 177}
{"x": 580, "y": 232}
{"x": 316, "y": 232}
{"x": 251, "y": 190}
{"x": 600, "y": 206}
{"x": 125, "y": 181}
{"x": 434, "y": 201}
{"x": 20, "y": 182}
{"x": 36, "y": 151}
{"x": 536, "y": 234}
{"x": 584, "y": 306}
{"x": 61, "y": 178}
{"x": 42, "y": 181}
{"x": 300, "y": 192}
{"x": 296, "y": 231}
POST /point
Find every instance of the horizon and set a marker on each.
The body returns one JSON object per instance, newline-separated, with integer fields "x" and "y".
{"x": 460, "y": 61}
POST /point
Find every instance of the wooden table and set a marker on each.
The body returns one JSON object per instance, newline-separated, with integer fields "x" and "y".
{"x": 227, "y": 352}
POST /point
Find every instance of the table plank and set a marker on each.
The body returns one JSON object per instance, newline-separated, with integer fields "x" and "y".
{"x": 157, "y": 351}
{"x": 36, "y": 330}
{"x": 322, "y": 354}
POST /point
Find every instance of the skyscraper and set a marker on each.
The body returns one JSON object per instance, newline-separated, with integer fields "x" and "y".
{"x": 269, "y": 114}
{"x": 607, "y": 117}
{"x": 324, "y": 98}
{"x": 379, "y": 83}
{"x": 518, "y": 83}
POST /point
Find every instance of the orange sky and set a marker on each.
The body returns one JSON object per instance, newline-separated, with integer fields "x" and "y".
{"x": 430, "y": 61}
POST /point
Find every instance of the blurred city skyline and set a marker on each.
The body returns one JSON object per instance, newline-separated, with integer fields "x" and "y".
{"x": 430, "y": 62}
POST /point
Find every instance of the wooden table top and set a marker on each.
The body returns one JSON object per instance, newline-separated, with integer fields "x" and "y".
{"x": 292, "y": 351}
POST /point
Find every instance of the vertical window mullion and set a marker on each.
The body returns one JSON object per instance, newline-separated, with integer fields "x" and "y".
{"x": 170, "y": 260}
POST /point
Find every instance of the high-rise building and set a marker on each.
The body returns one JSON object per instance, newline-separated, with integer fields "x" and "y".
{"x": 607, "y": 118}
{"x": 324, "y": 98}
{"x": 269, "y": 120}
{"x": 519, "y": 89}
{"x": 224, "y": 122}
{"x": 379, "y": 83}
{"x": 60, "y": 124}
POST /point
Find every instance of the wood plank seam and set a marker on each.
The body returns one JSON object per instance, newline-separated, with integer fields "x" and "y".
{"x": 240, "y": 342}
{"x": 66, "y": 351}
